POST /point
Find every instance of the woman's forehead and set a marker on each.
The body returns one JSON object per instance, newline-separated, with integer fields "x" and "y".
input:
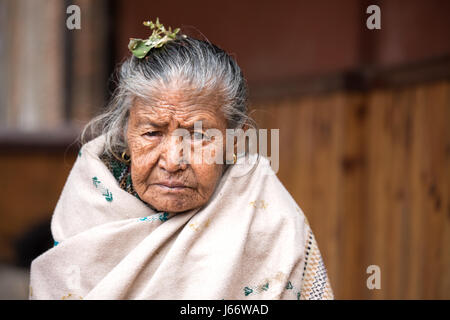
{"x": 161, "y": 110}
{"x": 181, "y": 97}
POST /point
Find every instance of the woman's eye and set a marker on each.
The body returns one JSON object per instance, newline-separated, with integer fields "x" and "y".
{"x": 152, "y": 134}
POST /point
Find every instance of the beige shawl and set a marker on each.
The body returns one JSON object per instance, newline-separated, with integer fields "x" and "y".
{"x": 251, "y": 241}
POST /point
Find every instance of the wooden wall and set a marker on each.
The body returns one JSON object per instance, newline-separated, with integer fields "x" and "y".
{"x": 372, "y": 173}
{"x": 31, "y": 183}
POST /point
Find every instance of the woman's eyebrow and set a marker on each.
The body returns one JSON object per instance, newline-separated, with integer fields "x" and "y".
{"x": 147, "y": 122}
{"x": 205, "y": 124}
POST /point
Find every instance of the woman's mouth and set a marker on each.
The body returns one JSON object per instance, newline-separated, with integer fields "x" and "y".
{"x": 172, "y": 185}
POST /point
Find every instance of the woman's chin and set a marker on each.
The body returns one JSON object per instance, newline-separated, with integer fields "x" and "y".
{"x": 172, "y": 201}
{"x": 174, "y": 208}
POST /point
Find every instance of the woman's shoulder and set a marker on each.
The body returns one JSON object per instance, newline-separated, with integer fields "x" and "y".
{"x": 266, "y": 195}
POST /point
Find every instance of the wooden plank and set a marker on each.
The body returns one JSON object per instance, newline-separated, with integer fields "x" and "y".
{"x": 352, "y": 195}
{"x": 433, "y": 137}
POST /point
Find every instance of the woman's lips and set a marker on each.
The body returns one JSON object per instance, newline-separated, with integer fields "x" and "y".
{"x": 172, "y": 185}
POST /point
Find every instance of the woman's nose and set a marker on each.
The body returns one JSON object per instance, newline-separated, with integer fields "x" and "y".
{"x": 173, "y": 155}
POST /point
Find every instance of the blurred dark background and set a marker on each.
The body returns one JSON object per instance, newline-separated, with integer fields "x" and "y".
{"x": 363, "y": 118}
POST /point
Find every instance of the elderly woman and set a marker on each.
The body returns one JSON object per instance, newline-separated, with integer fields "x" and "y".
{"x": 139, "y": 218}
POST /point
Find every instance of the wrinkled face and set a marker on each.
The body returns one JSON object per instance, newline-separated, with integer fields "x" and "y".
{"x": 163, "y": 175}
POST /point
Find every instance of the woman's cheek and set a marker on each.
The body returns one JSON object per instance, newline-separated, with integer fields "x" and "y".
{"x": 207, "y": 176}
{"x": 142, "y": 160}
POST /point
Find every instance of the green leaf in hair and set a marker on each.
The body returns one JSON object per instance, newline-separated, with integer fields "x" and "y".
{"x": 160, "y": 36}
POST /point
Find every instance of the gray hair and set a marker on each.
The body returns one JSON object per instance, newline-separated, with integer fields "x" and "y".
{"x": 202, "y": 64}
